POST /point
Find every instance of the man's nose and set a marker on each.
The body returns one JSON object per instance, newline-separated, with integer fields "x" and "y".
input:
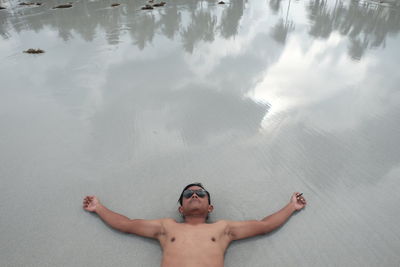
{"x": 195, "y": 195}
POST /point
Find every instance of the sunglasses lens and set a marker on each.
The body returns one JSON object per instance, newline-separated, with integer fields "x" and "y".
{"x": 187, "y": 193}
{"x": 201, "y": 193}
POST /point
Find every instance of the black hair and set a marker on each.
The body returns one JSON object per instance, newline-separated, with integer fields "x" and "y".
{"x": 180, "y": 200}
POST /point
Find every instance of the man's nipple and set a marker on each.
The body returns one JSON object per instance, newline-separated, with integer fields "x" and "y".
{"x": 173, "y": 239}
{"x": 213, "y": 239}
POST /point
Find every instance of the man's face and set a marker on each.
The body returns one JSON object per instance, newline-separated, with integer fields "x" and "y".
{"x": 195, "y": 205}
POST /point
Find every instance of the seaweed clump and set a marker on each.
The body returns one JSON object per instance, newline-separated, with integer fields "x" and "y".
{"x": 30, "y": 4}
{"x": 147, "y": 7}
{"x": 34, "y": 51}
{"x": 154, "y": 5}
{"x": 63, "y": 6}
{"x": 114, "y": 5}
{"x": 159, "y": 4}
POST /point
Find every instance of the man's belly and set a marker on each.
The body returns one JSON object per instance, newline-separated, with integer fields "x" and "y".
{"x": 194, "y": 257}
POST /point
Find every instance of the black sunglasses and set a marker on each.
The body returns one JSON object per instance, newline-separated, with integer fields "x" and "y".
{"x": 199, "y": 192}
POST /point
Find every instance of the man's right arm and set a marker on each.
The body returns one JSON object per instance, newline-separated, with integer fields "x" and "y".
{"x": 146, "y": 228}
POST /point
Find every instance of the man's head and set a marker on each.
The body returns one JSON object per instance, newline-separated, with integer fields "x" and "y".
{"x": 195, "y": 200}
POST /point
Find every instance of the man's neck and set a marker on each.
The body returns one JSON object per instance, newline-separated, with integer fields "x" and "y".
{"x": 194, "y": 219}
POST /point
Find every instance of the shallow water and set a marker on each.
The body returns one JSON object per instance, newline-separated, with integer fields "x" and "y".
{"x": 255, "y": 99}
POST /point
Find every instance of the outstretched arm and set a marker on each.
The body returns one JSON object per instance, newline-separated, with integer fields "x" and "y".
{"x": 244, "y": 229}
{"x": 146, "y": 228}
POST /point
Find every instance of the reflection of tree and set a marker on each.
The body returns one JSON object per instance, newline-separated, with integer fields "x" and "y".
{"x": 275, "y": 5}
{"x": 86, "y": 17}
{"x": 365, "y": 24}
{"x": 282, "y": 28}
{"x": 170, "y": 21}
{"x": 112, "y": 25}
{"x": 3, "y": 25}
{"x": 143, "y": 29}
{"x": 357, "y": 48}
{"x": 320, "y": 14}
{"x": 202, "y": 27}
{"x": 231, "y": 17}
{"x": 82, "y": 18}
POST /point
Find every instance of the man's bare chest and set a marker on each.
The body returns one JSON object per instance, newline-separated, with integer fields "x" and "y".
{"x": 206, "y": 235}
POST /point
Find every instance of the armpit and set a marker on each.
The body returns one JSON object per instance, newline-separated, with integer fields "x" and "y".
{"x": 227, "y": 229}
{"x": 163, "y": 230}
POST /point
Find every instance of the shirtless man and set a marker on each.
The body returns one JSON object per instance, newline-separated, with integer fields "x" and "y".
{"x": 194, "y": 243}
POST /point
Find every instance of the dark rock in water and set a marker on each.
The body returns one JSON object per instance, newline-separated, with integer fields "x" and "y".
{"x": 159, "y": 4}
{"x": 30, "y": 4}
{"x": 63, "y": 6}
{"x": 2, "y": 7}
{"x": 115, "y": 4}
{"x": 147, "y": 7}
{"x": 221, "y": 3}
{"x": 34, "y": 51}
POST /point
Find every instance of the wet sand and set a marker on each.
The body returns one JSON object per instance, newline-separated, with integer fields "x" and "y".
{"x": 254, "y": 99}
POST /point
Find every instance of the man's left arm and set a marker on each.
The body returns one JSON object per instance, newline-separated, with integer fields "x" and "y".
{"x": 243, "y": 229}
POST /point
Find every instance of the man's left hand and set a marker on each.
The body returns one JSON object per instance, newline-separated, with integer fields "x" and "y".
{"x": 298, "y": 201}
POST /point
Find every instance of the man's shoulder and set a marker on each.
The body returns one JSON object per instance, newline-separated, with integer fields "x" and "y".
{"x": 221, "y": 223}
{"x": 226, "y": 224}
{"x": 167, "y": 220}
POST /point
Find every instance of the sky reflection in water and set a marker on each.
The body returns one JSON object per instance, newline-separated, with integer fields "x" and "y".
{"x": 259, "y": 95}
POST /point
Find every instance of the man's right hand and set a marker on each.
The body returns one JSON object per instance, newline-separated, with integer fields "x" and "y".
{"x": 146, "y": 228}
{"x": 90, "y": 203}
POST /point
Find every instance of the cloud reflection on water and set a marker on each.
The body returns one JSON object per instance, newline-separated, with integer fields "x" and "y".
{"x": 257, "y": 98}
{"x": 205, "y": 31}
{"x": 366, "y": 24}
